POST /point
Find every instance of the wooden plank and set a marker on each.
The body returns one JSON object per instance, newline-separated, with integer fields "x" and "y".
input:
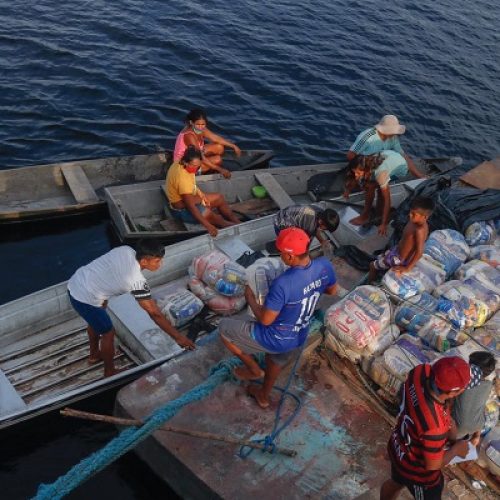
{"x": 485, "y": 176}
{"x": 275, "y": 191}
{"x": 79, "y": 184}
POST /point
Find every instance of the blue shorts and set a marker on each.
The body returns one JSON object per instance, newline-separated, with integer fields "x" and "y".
{"x": 96, "y": 317}
{"x": 185, "y": 215}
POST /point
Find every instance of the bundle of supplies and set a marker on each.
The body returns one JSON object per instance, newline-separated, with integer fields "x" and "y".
{"x": 180, "y": 307}
{"x": 433, "y": 320}
{"x": 218, "y": 282}
{"x": 359, "y": 319}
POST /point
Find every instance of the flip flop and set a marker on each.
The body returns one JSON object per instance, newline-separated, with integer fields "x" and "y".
{"x": 252, "y": 391}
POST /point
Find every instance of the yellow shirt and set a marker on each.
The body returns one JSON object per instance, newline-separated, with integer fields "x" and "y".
{"x": 180, "y": 181}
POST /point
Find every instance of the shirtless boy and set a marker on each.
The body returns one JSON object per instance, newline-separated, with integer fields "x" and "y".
{"x": 410, "y": 248}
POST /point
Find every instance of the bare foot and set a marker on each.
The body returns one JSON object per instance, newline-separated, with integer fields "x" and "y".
{"x": 243, "y": 373}
{"x": 114, "y": 371}
{"x": 360, "y": 220}
{"x": 94, "y": 359}
{"x": 256, "y": 392}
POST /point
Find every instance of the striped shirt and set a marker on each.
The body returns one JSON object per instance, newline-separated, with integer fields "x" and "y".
{"x": 303, "y": 216}
{"x": 369, "y": 142}
{"x": 421, "y": 431}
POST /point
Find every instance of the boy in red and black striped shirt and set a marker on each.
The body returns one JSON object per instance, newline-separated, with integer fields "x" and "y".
{"x": 417, "y": 445}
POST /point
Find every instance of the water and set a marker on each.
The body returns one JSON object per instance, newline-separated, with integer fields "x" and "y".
{"x": 93, "y": 79}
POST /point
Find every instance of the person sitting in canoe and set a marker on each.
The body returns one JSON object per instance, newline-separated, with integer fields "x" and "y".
{"x": 194, "y": 134}
{"x": 384, "y": 136}
{"x": 403, "y": 257}
{"x": 282, "y": 322}
{"x": 117, "y": 272}
{"x": 188, "y": 203}
{"x": 373, "y": 173}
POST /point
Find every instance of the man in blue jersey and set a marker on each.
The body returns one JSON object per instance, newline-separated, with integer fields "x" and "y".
{"x": 282, "y": 322}
{"x": 382, "y": 137}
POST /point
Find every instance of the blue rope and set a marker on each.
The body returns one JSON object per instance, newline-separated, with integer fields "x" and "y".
{"x": 131, "y": 436}
{"x": 269, "y": 440}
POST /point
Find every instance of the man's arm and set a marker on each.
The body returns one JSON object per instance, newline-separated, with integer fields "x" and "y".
{"x": 459, "y": 449}
{"x": 412, "y": 168}
{"x": 150, "y": 306}
{"x": 351, "y": 155}
{"x": 262, "y": 314}
{"x": 190, "y": 201}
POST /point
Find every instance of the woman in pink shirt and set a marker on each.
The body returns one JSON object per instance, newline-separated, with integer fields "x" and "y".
{"x": 194, "y": 134}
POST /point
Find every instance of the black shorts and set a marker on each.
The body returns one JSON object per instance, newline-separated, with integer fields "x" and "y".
{"x": 418, "y": 491}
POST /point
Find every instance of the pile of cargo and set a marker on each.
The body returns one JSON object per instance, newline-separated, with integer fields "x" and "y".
{"x": 448, "y": 304}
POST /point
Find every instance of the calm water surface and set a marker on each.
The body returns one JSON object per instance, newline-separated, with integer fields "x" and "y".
{"x": 93, "y": 79}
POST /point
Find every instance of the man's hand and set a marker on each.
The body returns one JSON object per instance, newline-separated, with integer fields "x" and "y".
{"x": 237, "y": 150}
{"x": 185, "y": 343}
{"x": 382, "y": 230}
{"x": 461, "y": 448}
{"x": 399, "y": 270}
{"x": 346, "y": 194}
{"x": 226, "y": 173}
{"x": 212, "y": 230}
{"x": 476, "y": 438}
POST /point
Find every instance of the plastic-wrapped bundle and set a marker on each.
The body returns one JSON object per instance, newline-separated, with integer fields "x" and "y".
{"x": 448, "y": 247}
{"x": 359, "y": 318}
{"x": 180, "y": 307}
{"x": 424, "y": 316}
{"x": 480, "y": 233}
{"x": 220, "y": 273}
{"x": 225, "y": 306}
{"x": 472, "y": 268}
{"x": 487, "y": 253}
{"x": 390, "y": 369}
{"x": 473, "y": 288}
{"x": 489, "y": 334}
{"x": 208, "y": 267}
{"x": 491, "y": 413}
{"x": 426, "y": 275}
{"x": 374, "y": 348}
{"x": 489, "y": 452}
{"x": 262, "y": 273}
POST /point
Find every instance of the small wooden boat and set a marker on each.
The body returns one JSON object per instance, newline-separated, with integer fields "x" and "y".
{"x": 65, "y": 189}
{"x": 44, "y": 344}
{"x": 142, "y": 210}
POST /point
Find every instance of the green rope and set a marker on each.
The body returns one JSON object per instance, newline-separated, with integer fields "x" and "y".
{"x": 131, "y": 436}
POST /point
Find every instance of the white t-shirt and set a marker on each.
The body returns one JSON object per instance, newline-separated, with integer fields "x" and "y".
{"x": 114, "y": 273}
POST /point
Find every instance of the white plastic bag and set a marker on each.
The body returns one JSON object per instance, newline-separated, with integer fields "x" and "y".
{"x": 448, "y": 247}
{"x": 359, "y": 318}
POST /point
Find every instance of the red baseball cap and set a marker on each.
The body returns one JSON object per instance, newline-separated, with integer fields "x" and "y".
{"x": 451, "y": 373}
{"x": 292, "y": 240}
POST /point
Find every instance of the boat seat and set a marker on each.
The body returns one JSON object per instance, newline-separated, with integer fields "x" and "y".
{"x": 78, "y": 183}
{"x": 182, "y": 224}
{"x": 9, "y": 398}
{"x": 275, "y": 191}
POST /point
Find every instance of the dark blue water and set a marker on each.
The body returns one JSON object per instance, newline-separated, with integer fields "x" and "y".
{"x": 92, "y": 79}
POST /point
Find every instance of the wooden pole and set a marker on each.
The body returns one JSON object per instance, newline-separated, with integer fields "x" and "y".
{"x": 69, "y": 412}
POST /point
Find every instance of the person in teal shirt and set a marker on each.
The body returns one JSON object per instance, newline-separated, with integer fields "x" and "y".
{"x": 373, "y": 174}
{"x": 384, "y": 136}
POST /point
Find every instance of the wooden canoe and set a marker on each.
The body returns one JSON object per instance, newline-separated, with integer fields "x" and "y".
{"x": 72, "y": 188}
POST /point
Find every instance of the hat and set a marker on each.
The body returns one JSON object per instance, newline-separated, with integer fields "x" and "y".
{"x": 292, "y": 240}
{"x": 451, "y": 373}
{"x": 389, "y": 125}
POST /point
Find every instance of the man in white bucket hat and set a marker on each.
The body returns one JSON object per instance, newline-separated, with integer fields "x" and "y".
{"x": 382, "y": 137}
